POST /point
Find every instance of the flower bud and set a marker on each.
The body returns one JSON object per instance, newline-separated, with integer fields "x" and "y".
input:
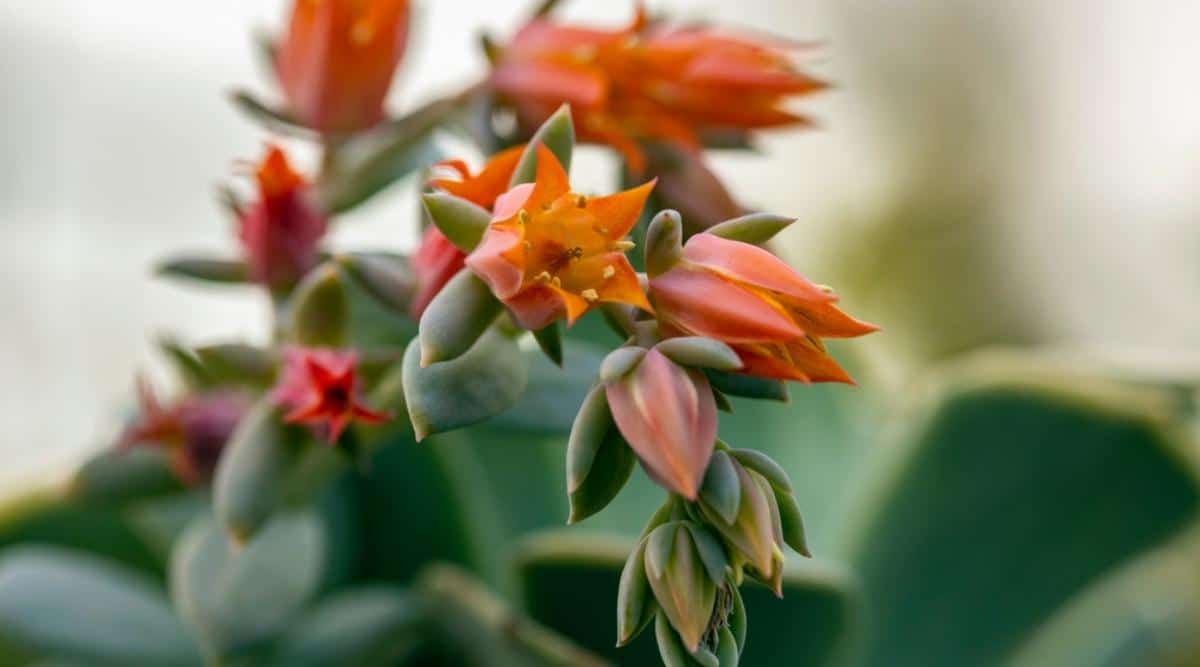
{"x": 664, "y": 242}
{"x": 680, "y": 582}
{"x": 668, "y": 415}
{"x": 320, "y": 309}
{"x": 337, "y": 60}
{"x": 280, "y": 231}
{"x": 754, "y": 228}
{"x": 635, "y": 608}
{"x": 749, "y": 526}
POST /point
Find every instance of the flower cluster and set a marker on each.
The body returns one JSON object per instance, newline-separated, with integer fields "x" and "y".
{"x": 703, "y": 311}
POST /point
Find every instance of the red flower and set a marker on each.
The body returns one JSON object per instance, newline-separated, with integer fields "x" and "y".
{"x": 281, "y": 230}
{"x": 550, "y": 252}
{"x": 193, "y": 430}
{"x": 649, "y": 82}
{"x": 320, "y": 387}
{"x": 770, "y": 315}
{"x": 338, "y": 58}
{"x": 668, "y": 416}
{"x": 437, "y": 260}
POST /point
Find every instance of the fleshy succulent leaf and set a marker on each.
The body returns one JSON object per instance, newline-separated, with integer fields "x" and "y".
{"x": 557, "y": 134}
{"x": 456, "y": 318}
{"x": 756, "y": 228}
{"x": 462, "y": 221}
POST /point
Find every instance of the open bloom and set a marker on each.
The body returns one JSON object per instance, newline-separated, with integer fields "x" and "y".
{"x": 193, "y": 430}
{"x": 337, "y": 60}
{"x": 280, "y": 231}
{"x": 437, "y": 260}
{"x": 549, "y": 251}
{"x": 668, "y": 416}
{"x": 770, "y": 315}
{"x": 321, "y": 387}
{"x": 649, "y": 81}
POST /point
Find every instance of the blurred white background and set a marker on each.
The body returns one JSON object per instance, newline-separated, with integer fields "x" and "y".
{"x": 1082, "y": 126}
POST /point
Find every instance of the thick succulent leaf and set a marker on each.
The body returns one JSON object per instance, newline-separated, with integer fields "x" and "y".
{"x": 238, "y": 364}
{"x": 721, "y": 489}
{"x": 272, "y": 119}
{"x": 46, "y": 519}
{"x": 471, "y": 626}
{"x": 375, "y": 625}
{"x": 456, "y": 318}
{"x": 374, "y": 160}
{"x": 485, "y": 381}
{"x": 82, "y": 608}
{"x": 388, "y": 279}
{"x": 236, "y": 597}
{"x": 319, "y": 309}
{"x": 735, "y": 384}
{"x": 701, "y": 352}
{"x": 557, "y": 134}
{"x": 599, "y": 461}
{"x": 569, "y": 582}
{"x": 1144, "y": 615}
{"x": 252, "y": 474}
{"x": 756, "y": 228}
{"x": 205, "y": 269}
{"x": 549, "y": 340}
{"x": 115, "y": 477}
{"x": 1009, "y": 496}
{"x": 457, "y": 521}
{"x": 463, "y": 222}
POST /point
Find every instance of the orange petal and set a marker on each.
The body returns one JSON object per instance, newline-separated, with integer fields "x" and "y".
{"x": 623, "y": 286}
{"x": 704, "y": 304}
{"x": 535, "y": 306}
{"x": 828, "y": 321}
{"x": 577, "y": 85}
{"x": 618, "y": 213}
{"x": 551, "y": 181}
{"x": 751, "y": 264}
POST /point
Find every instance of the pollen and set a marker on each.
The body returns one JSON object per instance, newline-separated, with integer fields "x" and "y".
{"x": 543, "y": 277}
{"x": 609, "y": 271}
{"x": 589, "y": 295}
{"x": 523, "y": 217}
{"x": 556, "y": 282}
{"x": 624, "y": 245}
{"x": 581, "y": 201}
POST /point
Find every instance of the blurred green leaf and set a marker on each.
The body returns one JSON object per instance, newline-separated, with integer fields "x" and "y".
{"x": 484, "y": 382}
{"x": 275, "y": 120}
{"x": 251, "y": 477}
{"x": 319, "y": 310}
{"x": 363, "y": 626}
{"x": 569, "y": 582}
{"x": 1014, "y": 492}
{"x": 114, "y": 477}
{"x": 239, "y": 596}
{"x": 558, "y": 134}
{"x": 456, "y": 318}
{"x": 78, "y": 607}
{"x": 205, "y": 269}
{"x": 389, "y": 280}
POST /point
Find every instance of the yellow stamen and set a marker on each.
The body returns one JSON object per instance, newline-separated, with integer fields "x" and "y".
{"x": 556, "y": 282}
{"x": 589, "y": 295}
{"x": 623, "y": 245}
{"x": 543, "y": 277}
{"x": 523, "y": 217}
{"x": 609, "y": 272}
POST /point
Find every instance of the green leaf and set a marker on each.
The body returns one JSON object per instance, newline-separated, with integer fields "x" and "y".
{"x": 319, "y": 309}
{"x": 456, "y": 318}
{"x": 47, "y": 519}
{"x": 621, "y": 362}
{"x": 755, "y": 228}
{"x": 463, "y": 222}
{"x": 252, "y": 474}
{"x": 238, "y": 364}
{"x": 549, "y": 340}
{"x": 272, "y": 119}
{"x": 114, "y": 477}
{"x": 748, "y": 386}
{"x": 553, "y": 394}
{"x": 374, "y": 625}
{"x": 1010, "y": 496}
{"x": 237, "y": 597}
{"x": 599, "y": 461}
{"x": 471, "y": 626}
{"x": 482, "y": 383}
{"x": 77, "y": 607}
{"x": 721, "y": 489}
{"x": 664, "y": 242}
{"x": 206, "y": 269}
{"x": 557, "y": 134}
{"x": 700, "y": 352}
{"x": 569, "y": 582}
{"x": 371, "y": 161}
{"x": 389, "y": 280}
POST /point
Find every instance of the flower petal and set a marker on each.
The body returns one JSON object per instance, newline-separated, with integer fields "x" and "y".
{"x": 551, "y": 181}
{"x": 752, "y": 265}
{"x": 620, "y": 212}
{"x": 704, "y": 304}
{"x": 492, "y": 260}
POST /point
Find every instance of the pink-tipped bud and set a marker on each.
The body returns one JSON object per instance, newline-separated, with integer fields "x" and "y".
{"x": 668, "y": 415}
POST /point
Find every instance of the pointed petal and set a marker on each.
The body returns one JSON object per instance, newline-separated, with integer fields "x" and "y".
{"x": 827, "y": 320}
{"x": 620, "y": 212}
{"x": 492, "y": 259}
{"x": 703, "y": 304}
{"x": 551, "y": 181}
{"x": 752, "y": 265}
{"x": 536, "y": 306}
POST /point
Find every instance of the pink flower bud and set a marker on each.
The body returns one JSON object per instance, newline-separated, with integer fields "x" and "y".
{"x": 281, "y": 230}
{"x": 668, "y": 415}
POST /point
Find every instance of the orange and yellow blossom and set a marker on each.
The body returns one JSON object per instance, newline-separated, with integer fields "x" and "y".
{"x": 337, "y": 60}
{"x": 650, "y": 82}
{"x": 751, "y": 300}
{"x": 550, "y": 252}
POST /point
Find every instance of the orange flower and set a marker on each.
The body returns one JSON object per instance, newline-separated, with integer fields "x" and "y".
{"x": 321, "y": 388}
{"x": 649, "y": 82}
{"x": 550, "y": 251}
{"x": 437, "y": 260}
{"x": 770, "y": 315}
{"x": 337, "y": 60}
{"x": 280, "y": 231}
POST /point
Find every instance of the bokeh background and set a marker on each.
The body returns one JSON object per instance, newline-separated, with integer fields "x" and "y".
{"x": 983, "y": 173}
